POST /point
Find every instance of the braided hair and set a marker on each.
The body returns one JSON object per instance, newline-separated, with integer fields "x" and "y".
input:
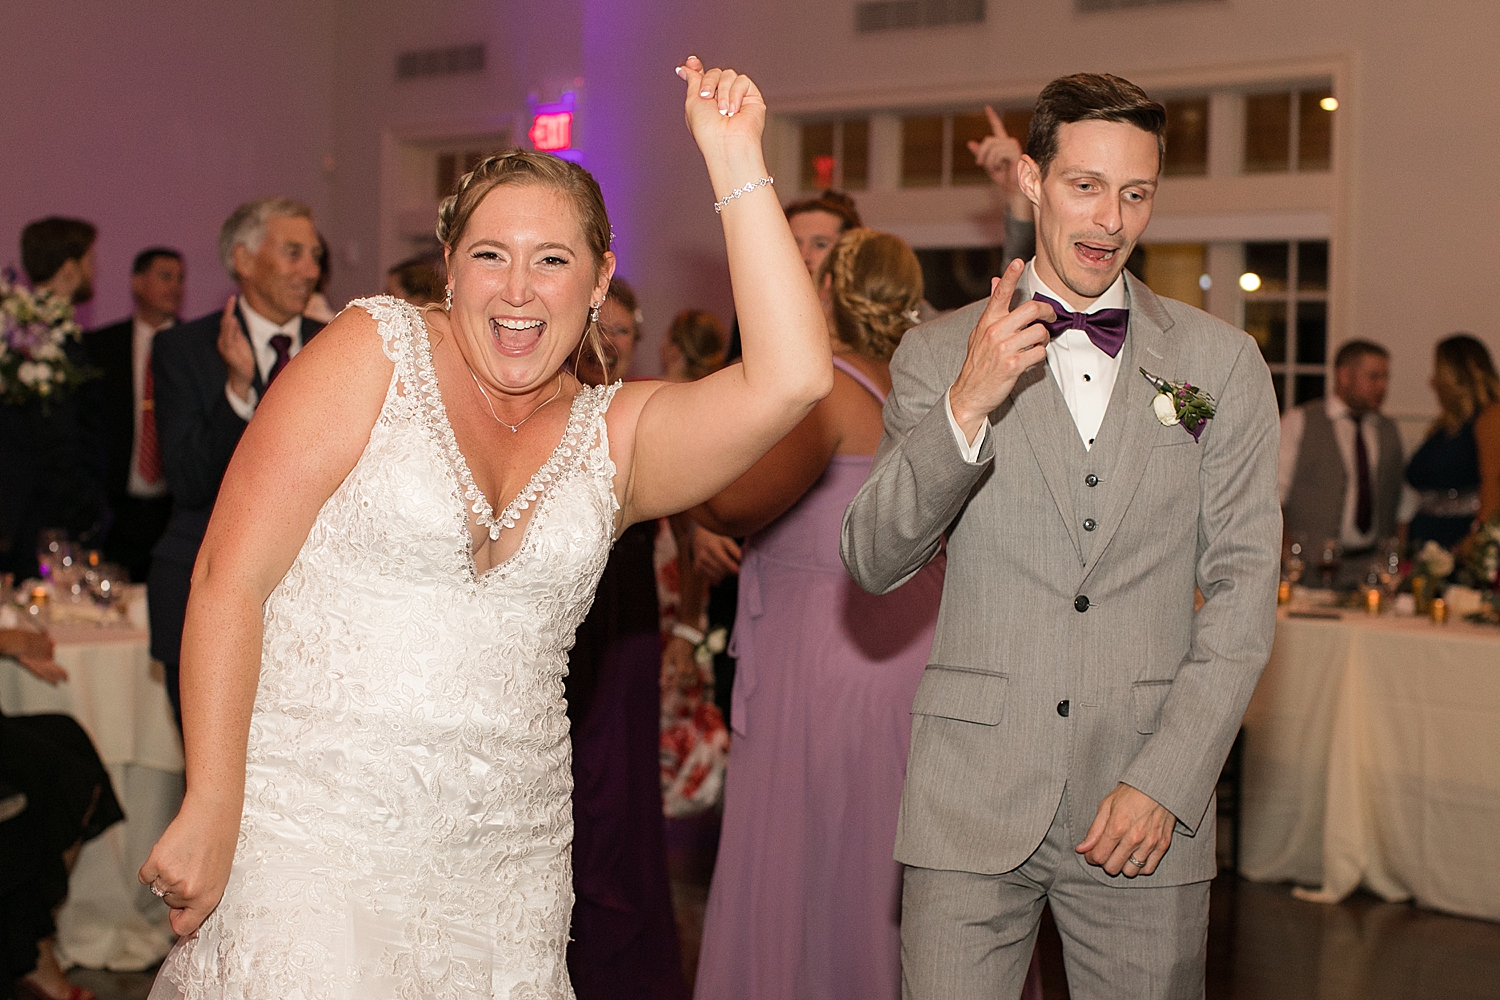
{"x": 877, "y": 284}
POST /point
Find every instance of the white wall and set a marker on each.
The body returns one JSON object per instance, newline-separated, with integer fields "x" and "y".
{"x": 154, "y": 120}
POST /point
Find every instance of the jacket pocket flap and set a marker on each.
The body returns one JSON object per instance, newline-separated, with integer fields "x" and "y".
{"x": 961, "y": 693}
{"x": 1147, "y": 699}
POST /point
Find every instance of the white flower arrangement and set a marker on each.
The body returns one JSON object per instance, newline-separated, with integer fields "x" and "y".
{"x": 1434, "y": 562}
{"x": 34, "y": 329}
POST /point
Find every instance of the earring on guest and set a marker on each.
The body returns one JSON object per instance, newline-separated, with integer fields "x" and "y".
{"x": 594, "y": 313}
{"x": 448, "y": 299}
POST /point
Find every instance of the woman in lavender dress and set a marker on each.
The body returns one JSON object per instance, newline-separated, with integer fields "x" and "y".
{"x": 806, "y": 897}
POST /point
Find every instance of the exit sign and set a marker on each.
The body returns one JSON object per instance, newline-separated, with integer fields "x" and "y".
{"x": 551, "y": 131}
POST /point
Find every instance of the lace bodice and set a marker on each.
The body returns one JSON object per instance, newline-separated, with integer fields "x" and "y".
{"x": 406, "y": 823}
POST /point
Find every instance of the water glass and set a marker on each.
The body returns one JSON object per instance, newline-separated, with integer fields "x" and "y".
{"x": 49, "y": 542}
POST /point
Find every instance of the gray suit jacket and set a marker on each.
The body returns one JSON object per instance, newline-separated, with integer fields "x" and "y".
{"x": 1034, "y": 527}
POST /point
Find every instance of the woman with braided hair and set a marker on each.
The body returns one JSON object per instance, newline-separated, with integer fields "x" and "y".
{"x": 806, "y": 898}
{"x": 406, "y": 540}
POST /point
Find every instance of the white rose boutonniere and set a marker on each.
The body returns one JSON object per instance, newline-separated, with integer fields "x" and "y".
{"x": 1180, "y": 403}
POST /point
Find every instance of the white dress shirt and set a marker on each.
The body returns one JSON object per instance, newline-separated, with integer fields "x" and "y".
{"x": 140, "y": 356}
{"x": 1294, "y": 423}
{"x": 261, "y": 330}
{"x": 1084, "y": 373}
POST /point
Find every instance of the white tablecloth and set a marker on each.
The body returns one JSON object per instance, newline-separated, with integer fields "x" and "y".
{"x": 1372, "y": 758}
{"x": 116, "y": 693}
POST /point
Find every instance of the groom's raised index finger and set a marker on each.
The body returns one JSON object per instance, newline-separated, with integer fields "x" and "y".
{"x": 1001, "y": 291}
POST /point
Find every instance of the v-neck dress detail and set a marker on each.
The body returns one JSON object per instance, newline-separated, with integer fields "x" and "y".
{"x": 406, "y": 827}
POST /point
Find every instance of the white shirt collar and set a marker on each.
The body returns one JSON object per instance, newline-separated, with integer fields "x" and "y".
{"x": 261, "y": 330}
{"x": 1114, "y": 296}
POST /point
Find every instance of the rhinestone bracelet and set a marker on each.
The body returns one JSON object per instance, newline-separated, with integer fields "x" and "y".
{"x": 719, "y": 205}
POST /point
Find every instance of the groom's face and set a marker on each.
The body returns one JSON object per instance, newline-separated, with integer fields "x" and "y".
{"x": 1092, "y": 205}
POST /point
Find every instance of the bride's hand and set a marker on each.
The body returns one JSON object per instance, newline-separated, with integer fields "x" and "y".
{"x": 189, "y": 866}
{"x": 723, "y": 107}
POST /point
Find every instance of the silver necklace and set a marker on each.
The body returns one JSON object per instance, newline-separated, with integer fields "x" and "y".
{"x": 516, "y": 426}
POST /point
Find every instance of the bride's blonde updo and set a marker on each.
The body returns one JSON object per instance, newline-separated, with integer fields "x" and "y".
{"x": 877, "y": 283}
{"x": 520, "y": 166}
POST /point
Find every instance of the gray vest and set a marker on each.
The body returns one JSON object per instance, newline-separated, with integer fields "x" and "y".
{"x": 1314, "y": 506}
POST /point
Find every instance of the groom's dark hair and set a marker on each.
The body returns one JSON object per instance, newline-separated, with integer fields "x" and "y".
{"x": 1091, "y": 97}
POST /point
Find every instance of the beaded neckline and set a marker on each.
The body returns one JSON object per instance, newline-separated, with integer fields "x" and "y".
{"x": 542, "y": 483}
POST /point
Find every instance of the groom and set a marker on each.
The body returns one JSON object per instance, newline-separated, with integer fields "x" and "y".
{"x": 1075, "y": 714}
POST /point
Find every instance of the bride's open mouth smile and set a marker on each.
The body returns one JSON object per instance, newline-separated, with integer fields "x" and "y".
{"x": 516, "y": 337}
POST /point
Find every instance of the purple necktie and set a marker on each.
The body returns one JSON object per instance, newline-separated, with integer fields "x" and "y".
{"x": 282, "y": 345}
{"x": 1106, "y": 327}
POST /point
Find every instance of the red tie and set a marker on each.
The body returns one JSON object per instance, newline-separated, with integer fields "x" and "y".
{"x": 148, "y": 464}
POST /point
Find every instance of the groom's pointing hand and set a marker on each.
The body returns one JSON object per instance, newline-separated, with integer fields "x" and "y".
{"x": 1129, "y": 827}
{"x": 1005, "y": 343}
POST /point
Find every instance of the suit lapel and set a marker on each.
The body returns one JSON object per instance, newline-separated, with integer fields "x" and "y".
{"x": 258, "y": 382}
{"x": 1050, "y": 431}
{"x": 1148, "y": 347}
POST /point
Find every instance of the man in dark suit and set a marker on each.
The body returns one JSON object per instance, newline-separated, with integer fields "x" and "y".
{"x": 209, "y": 376}
{"x": 135, "y": 484}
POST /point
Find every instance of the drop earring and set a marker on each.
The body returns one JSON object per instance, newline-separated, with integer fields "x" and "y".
{"x": 594, "y": 313}
{"x": 448, "y": 299}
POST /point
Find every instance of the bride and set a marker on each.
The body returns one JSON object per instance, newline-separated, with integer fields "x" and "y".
{"x": 405, "y": 541}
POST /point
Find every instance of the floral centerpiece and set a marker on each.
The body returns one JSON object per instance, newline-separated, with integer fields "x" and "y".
{"x": 35, "y": 329}
{"x": 1482, "y": 568}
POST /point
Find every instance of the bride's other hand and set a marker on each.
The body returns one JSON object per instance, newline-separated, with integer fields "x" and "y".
{"x": 189, "y": 866}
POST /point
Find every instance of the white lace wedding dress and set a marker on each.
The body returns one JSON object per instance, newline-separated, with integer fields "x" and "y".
{"x": 407, "y": 825}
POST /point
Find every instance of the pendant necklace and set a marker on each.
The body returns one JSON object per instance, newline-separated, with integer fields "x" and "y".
{"x": 516, "y": 426}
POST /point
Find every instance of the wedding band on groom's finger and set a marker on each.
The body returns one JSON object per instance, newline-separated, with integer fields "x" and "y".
{"x": 1138, "y": 864}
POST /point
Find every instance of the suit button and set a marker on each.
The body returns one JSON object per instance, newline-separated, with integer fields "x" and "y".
{"x": 1090, "y": 524}
{"x": 1080, "y": 604}
{"x": 1062, "y": 708}
{"x": 1091, "y": 480}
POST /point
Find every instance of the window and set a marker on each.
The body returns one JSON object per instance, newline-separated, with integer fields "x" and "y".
{"x": 1187, "y": 138}
{"x": 836, "y": 155}
{"x": 935, "y": 147}
{"x": 1285, "y": 288}
{"x": 1289, "y": 131}
{"x": 1174, "y": 270}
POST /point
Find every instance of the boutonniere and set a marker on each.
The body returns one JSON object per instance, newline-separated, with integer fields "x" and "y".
{"x": 1181, "y": 403}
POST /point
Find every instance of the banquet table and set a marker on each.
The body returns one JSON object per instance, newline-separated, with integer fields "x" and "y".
{"x": 117, "y": 694}
{"x": 1372, "y": 758}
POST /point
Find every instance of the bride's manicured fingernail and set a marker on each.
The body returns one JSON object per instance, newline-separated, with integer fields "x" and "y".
{"x": 705, "y": 93}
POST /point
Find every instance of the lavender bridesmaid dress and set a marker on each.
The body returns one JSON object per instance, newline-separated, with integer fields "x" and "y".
{"x": 806, "y": 898}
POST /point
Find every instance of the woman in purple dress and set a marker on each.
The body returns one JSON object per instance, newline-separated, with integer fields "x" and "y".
{"x": 806, "y": 898}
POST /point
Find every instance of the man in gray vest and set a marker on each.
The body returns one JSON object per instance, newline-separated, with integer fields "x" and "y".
{"x": 1340, "y": 464}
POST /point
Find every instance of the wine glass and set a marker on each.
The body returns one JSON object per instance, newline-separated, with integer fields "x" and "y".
{"x": 49, "y": 541}
{"x": 1330, "y": 558}
{"x": 67, "y": 572}
{"x": 1294, "y": 559}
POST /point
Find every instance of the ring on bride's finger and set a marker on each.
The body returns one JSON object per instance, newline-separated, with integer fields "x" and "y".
{"x": 1138, "y": 864}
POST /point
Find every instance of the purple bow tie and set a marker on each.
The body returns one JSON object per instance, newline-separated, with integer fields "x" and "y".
{"x": 1106, "y": 328}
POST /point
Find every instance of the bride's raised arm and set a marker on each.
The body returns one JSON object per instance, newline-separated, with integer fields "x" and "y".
{"x": 693, "y": 439}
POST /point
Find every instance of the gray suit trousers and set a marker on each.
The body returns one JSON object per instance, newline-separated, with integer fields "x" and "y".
{"x": 966, "y": 936}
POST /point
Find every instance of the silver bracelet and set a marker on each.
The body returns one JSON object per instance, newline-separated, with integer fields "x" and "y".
{"x": 719, "y": 205}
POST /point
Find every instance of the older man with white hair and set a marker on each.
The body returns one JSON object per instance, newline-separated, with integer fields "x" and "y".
{"x": 209, "y": 376}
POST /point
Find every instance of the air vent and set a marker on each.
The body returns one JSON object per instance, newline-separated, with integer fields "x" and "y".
{"x": 885, "y": 15}
{"x": 1098, "y": 6}
{"x": 440, "y": 62}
